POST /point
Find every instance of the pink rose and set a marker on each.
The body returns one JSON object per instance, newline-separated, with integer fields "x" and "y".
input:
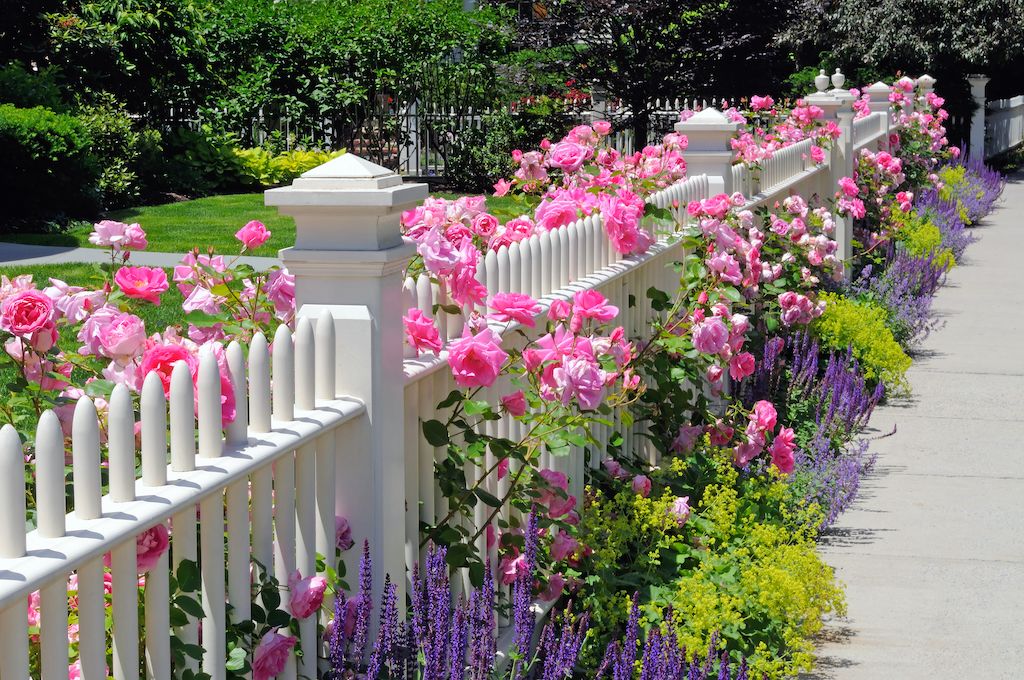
{"x": 642, "y": 485}
{"x": 563, "y": 545}
{"x": 590, "y": 304}
{"x": 502, "y": 470}
{"x": 710, "y": 335}
{"x": 514, "y": 403}
{"x": 580, "y": 377}
{"x": 253, "y": 235}
{"x": 614, "y": 468}
{"x": 511, "y": 307}
{"x": 602, "y": 127}
{"x": 44, "y": 339}
{"x": 744, "y": 453}
{"x": 150, "y": 545}
{"x": 485, "y": 225}
{"x": 307, "y": 594}
{"x": 123, "y": 337}
{"x": 758, "y": 103}
{"x": 680, "y": 510}
{"x": 817, "y": 154}
{"x": 142, "y": 283}
{"x": 202, "y": 300}
{"x": 501, "y": 187}
{"x": 686, "y": 439}
{"x": 160, "y": 359}
{"x": 741, "y": 365}
{"x": 421, "y": 332}
{"x": 271, "y": 654}
{"x": 26, "y": 312}
{"x": 342, "y": 533}
{"x": 510, "y": 567}
{"x": 764, "y": 415}
{"x": 782, "y": 450}
{"x": 569, "y": 156}
{"x": 118, "y": 235}
{"x": 559, "y": 310}
{"x": 553, "y": 213}
{"x": 476, "y": 360}
{"x": 849, "y": 187}
{"x": 280, "y": 290}
{"x": 556, "y": 584}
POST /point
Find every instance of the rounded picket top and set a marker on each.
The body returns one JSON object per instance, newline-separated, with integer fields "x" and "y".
{"x": 12, "y": 494}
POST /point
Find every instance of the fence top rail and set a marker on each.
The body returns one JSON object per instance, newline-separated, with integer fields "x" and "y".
{"x": 1009, "y": 103}
{"x": 49, "y": 558}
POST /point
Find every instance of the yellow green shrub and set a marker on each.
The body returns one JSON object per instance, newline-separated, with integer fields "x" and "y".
{"x": 860, "y": 324}
{"x": 744, "y": 566}
{"x": 266, "y": 169}
{"x": 921, "y": 237}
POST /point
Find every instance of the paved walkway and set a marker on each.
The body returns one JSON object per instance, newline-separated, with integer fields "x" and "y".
{"x": 14, "y": 254}
{"x": 932, "y": 553}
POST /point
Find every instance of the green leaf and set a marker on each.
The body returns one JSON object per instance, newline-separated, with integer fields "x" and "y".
{"x": 435, "y": 432}
{"x": 732, "y": 294}
{"x": 453, "y": 398}
{"x": 271, "y": 598}
{"x": 99, "y": 388}
{"x": 476, "y": 407}
{"x": 236, "y": 659}
{"x": 488, "y": 498}
{"x": 188, "y": 576}
{"x": 476, "y": 574}
{"x": 189, "y": 606}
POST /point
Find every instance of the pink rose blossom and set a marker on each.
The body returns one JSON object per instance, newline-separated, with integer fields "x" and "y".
{"x": 553, "y": 213}
{"x": 686, "y": 439}
{"x": 680, "y": 510}
{"x": 782, "y": 448}
{"x": 614, "y": 468}
{"x": 556, "y": 584}
{"x": 511, "y": 307}
{"x": 150, "y": 545}
{"x": 741, "y": 365}
{"x": 118, "y": 235}
{"x": 421, "y": 332}
{"x": 602, "y": 127}
{"x": 271, "y": 654}
{"x": 582, "y": 378}
{"x": 764, "y": 416}
{"x": 122, "y": 337}
{"x": 710, "y": 335}
{"x": 642, "y": 485}
{"x": 502, "y": 469}
{"x": 26, "y": 312}
{"x": 849, "y": 187}
{"x": 477, "y": 359}
{"x": 501, "y": 187}
{"x": 202, "y": 300}
{"x": 161, "y": 358}
{"x": 590, "y": 304}
{"x": 510, "y": 568}
{"x": 563, "y": 545}
{"x": 307, "y": 594}
{"x": 559, "y": 310}
{"x": 142, "y": 283}
{"x": 514, "y": 403}
{"x": 817, "y": 154}
{"x": 253, "y": 235}
{"x": 342, "y": 533}
{"x": 569, "y": 156}
{"x": 280, "y": 290}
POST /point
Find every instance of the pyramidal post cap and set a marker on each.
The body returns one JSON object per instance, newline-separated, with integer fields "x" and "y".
{"x": 348, "y": 172}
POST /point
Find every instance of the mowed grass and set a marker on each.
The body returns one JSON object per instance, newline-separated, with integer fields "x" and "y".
{"x": 177, "y": 227}
{"x": 157, "y": 317}
{"x": 211, "y": 222}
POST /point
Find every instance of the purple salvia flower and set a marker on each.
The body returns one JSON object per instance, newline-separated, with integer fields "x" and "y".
{"x": 364, "y": 608}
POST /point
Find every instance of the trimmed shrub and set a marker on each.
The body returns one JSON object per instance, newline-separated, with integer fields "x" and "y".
{"x": 25, "y": 89}
{"x": 861, "y": 325}
{"x": 261, "y": 168}
{"x": 48, "y": 172}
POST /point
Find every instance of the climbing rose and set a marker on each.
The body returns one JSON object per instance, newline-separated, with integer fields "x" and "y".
{"x": 849, "y": 187}
{"x": 514, "y": 307}
{"x": 25, "y": 312}
{"x": 476, "y": 360}
{"x": 686, "y": 439}
{"x": 307, "y": 594}
{"x": 559, "y": 310}
{"x": 556, "y": 584}
{"x": 270, "y": 655}
{"x": 510, "y": 567}
{"x": 642, "y": 485}
{"x": 614, "y": 468}
{"x": 741, "y": 365}
{"x": 782, "y": 450}
{"x": 342, "y": 533}
{"x": 118, "y": 235}
{"x": 710, "y": 336}
{"x": 764, "y": 416}
{"x": 123, "y": 337}
{"x": 589, "y": 304}
{"x": 150, "y": 545}
{"x": 569, "y": 156}
{"x": 514, "y": 403}
{"x": 421, "y": 332}
{"x": 563, "y": 545}
{"x": 142, "y": 283}
{"x": 160, "y": 359}
{"x": 680, "y": 510}
{"x": 253, "y": 235}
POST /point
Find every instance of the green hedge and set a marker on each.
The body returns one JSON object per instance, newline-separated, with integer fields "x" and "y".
{"x": 48, "y": 172}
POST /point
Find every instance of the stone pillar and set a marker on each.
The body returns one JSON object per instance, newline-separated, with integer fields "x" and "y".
{"x": 709, "y": 152}
{"x": 348, "y": 258}
{"x": 977, "y": 143}
{"x": 927, "y": 85}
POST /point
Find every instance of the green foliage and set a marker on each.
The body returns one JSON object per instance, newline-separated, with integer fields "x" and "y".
{"x": 744, "y": 565}
{"x": 921, "y": 237}
{"x": 203, "y": 162}
{"x": 125, "y": 154}
{"x": 482, "y": 156}
{"x": 25, "y": 89}
{"x": 862, "y": 325}
{"x": 47, "y": 170}
{"x": 262, "y": 168}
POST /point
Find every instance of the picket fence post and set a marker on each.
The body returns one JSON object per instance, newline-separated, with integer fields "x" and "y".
{"x": 977, "y": 144}
{"x": 348, "y": 260}
{"x": 709, "y": 152}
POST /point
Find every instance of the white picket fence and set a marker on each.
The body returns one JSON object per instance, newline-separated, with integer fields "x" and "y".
{"x": 1004, "y": 125}
{"x": 323, "y": 422}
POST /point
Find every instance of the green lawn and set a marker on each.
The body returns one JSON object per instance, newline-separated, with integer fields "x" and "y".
{"x": 213, "y": 221}
{"x": 176, "y": 227}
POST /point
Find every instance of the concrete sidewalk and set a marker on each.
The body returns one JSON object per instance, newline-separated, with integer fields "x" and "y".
{"x": 932, "y": 552}
{"x": 14, "y": 254}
